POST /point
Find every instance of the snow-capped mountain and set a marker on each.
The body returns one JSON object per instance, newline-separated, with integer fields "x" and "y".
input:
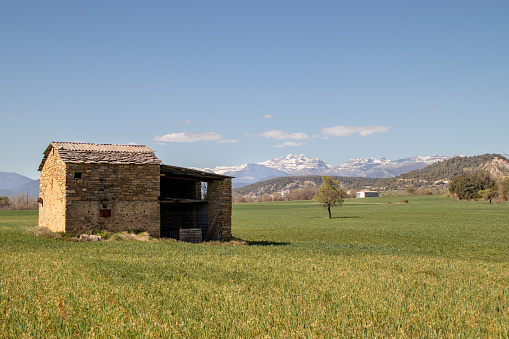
{"x": 302, "y": 165}
{"x": 248, "y": 173}
{"x": 383, "y": 168}
{"x": 297, "y": 164}
{"x": 290, "y": 165}
{"x": 354, "y": 167}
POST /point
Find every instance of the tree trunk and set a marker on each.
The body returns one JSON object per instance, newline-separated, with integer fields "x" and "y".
{"x": 330, "y": 216}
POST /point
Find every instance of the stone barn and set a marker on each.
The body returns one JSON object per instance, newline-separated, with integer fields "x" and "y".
{"x": 90, "y": 187}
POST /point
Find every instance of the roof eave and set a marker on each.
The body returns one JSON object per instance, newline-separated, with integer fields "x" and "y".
{"x": 188, "y": 172}
{"x": 46, "y": 153}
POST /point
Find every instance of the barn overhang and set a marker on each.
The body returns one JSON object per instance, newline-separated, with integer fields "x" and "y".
{"x": 190, "y": 174}
{"x": 194, "y": 200}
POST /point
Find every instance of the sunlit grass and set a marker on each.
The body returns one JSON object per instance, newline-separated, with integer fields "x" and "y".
{"x": 430, "y": 268}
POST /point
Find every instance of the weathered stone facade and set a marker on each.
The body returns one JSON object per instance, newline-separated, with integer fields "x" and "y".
{"x": 52, "y": 194}
{"x": 126, "y": 195}
{"x": 219, "y": 193}
{"x": 86, "y": 187}
{"x": 79, "y": 194}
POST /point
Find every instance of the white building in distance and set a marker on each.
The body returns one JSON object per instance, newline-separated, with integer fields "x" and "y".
{"x": 367, "y": 194}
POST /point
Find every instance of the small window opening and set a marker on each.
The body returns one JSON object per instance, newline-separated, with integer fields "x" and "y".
{"x": 204, "y": 190}
{"x": 77, "y": 175}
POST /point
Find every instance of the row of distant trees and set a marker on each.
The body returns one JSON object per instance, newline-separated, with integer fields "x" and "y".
{"x": 308, "y": 192}
{"x": 410, "y": 190}
{"x": 304, "y": 193}
{"x": 18, "y": 202}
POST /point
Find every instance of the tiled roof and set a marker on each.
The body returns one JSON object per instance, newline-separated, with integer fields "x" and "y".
{"x": 73, "y": 152}
{"x": 76, "y": 146}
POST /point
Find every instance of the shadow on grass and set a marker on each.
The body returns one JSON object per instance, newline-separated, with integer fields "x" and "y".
{"x": 267, "y": 243}
{"x": 333, "y": 217}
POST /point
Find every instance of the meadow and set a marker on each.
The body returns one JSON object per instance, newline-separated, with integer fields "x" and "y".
{"x": 431, "y": 268}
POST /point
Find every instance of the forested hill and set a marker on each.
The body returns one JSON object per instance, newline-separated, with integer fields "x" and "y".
{"x": 446, "y": 169}
{"x": 437, "y": 175}
{"x": 282, "y": 184}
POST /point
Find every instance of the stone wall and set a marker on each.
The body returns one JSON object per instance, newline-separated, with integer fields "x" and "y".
{"x": 81, "y": 197}
{"x": 112, "y": 197}
{"x": 52, "y": 194}
{"x": 219, "y": 198}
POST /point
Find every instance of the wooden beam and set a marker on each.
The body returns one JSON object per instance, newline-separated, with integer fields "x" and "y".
{"x": 184, "y": 201}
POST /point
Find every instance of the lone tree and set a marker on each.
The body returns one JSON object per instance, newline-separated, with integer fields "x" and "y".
{"x": 489, "y": 193}
{"x": 330, "y": 194}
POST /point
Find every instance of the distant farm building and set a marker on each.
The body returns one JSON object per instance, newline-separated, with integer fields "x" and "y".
{"x": 367, "y": 194}
{"x": 87, "y": 187}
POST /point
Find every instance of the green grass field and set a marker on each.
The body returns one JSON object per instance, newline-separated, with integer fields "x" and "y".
{"x": 431, "y": 268}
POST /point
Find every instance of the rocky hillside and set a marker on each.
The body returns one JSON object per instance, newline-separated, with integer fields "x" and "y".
{"x": 445, "y": 170}
{"x": 439, "y": 174}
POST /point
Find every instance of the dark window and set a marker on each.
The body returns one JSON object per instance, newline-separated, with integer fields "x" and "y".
{"x": 77, "y": 175}
{"x": 105, "y": 213}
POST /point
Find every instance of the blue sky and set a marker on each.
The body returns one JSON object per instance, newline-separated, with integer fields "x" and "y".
{"x": 209, "y": 83}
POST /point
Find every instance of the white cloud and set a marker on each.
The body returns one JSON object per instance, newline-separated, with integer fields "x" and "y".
{"x": 268, "y": 116}
{"x": 188, "y": 137}
{"x": 137, "y": 124}
{"x": 343, "y": 131}
{"x": 186, "y": 122}
{"x": 232, "y": 141}
{"x": 11, "y": 117}
{"x": 289, "y": 144}
{"x": 275, "y": 134}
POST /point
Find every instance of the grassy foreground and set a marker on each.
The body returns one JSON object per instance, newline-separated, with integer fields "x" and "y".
{"x": 430, "y": 268}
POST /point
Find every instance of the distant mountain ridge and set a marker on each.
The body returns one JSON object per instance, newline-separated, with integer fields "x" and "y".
{"x": 383, "y": 168}
{"x": 13, "y": 183}
{"x": 434, "y": 177}
{"x": 10, "y": 180}
{"x": 295, "y": 165}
